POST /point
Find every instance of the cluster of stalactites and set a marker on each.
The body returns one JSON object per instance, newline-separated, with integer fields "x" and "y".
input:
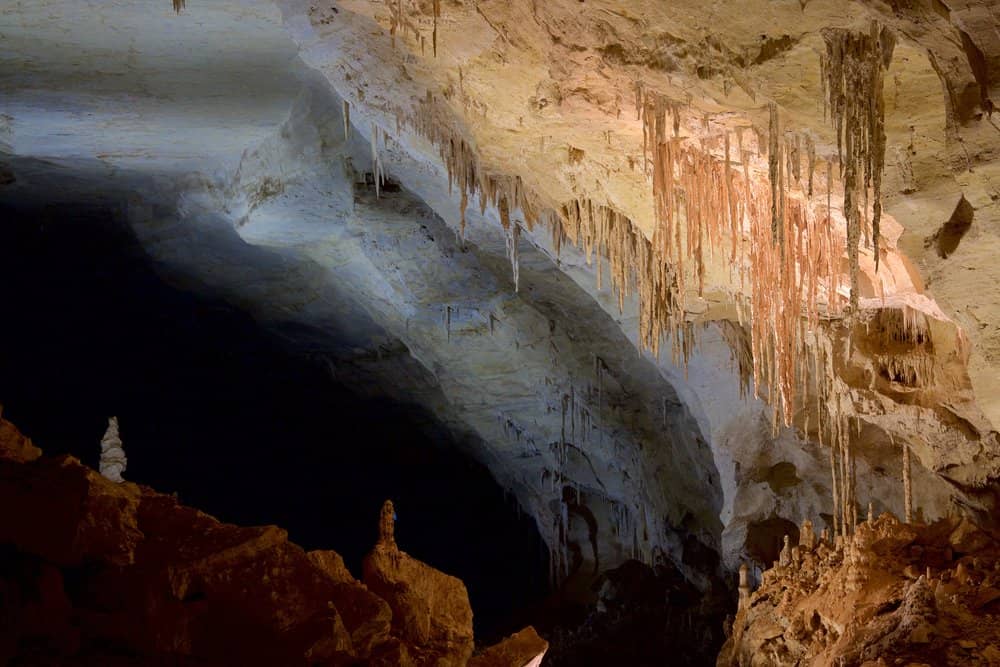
{"x": 775, "y": 241}
{"x": 901, "y": 325}
{"x": 404, "y": 19}
{"x": 852, "y": 72}
{"x": 707, "y": 205}
{"x": 635, "y": 266}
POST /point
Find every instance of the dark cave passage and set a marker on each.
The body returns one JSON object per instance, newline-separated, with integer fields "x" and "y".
{"x": 223, "y": 413}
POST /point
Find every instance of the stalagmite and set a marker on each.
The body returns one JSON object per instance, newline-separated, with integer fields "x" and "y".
{"x": 907, "y": 487}
{"x": 387, "y": 526}
{"x": 807, "y": 538}
{"x": 113, "y": 460}
{"x": 744, "y": 587}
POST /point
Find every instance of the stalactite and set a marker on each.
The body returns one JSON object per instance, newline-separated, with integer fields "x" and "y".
{"x": 774, "y": 169}
{"x": 811, "y": 158}
{"x": 794, "y": 156}
{"x": 512, "y": 240}
{"x": 852, "y": 72}
{"x": 437, "y": 14}
{"x": 347, "y": 120}
{"x": 463, "y": 206}
{"x": 178, "y": 5}
{"x": 598, "y": 370}
{"x": 907, "y": 486}
{"x": 836, "y": 493}
{"x": 376, "y": 162}
{"x": 699, "y": 198}
{"x": 845, "y": 492}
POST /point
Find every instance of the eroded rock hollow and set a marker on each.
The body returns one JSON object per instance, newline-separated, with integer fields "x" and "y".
{"x": 685, "y": 315}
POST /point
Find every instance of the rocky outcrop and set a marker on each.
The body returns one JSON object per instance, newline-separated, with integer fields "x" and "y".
{"x": 15, "y": 446}
{"x": 524, "y": 648}
{"x": 430, "y": 609}
{"x": 615, "y": 455}
{"x": 892, "y": 594}
{"x": 98, "y": 572}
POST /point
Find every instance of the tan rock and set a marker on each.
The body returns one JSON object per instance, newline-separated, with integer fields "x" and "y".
{"x": 967, "y": 538}
{"x": 430, "y": 609}
{"x": 991, "y": 654}
{"x": 332, "y": 564}
{"x": 14, "y": 445}
{"x": 522, "y": 649}
{"x": 366, "y": 616}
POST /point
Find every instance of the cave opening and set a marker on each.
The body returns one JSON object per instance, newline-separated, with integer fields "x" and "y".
{"x": 235, "y": 419}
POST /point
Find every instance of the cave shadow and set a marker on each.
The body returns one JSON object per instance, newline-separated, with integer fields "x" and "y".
{"x": 233, "y": 418}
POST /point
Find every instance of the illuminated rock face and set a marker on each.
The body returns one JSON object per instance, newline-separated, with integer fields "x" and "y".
{"x": 584, "y": 127}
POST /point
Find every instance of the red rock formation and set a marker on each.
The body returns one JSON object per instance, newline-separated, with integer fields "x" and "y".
{"x": 94, "y": 572}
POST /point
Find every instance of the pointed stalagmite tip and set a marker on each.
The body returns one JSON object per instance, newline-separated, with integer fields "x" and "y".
{"x": 387, "y": 525}
{"x": 113, "y": 461}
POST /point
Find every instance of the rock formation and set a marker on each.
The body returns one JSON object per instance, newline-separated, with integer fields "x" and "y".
{"x": 431, "y": 615}
{"x": 530, "y": 203}
{"x": 93, "y": 570}
{"x": 744, "y": 587}
{"x": 891, "y": 594}
{"x": 113, "y": 459}
{"x": 524, "y": 648}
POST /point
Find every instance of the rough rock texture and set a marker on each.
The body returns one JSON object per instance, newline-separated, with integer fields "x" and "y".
{"x": 98, "y": 572}
{"x": 524, "y": 648}
{"x": 16, "y": 446}
{"x": 242, "y": 141}
{"x": 430, "y": 609}
{"x": 895, "y": 594}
